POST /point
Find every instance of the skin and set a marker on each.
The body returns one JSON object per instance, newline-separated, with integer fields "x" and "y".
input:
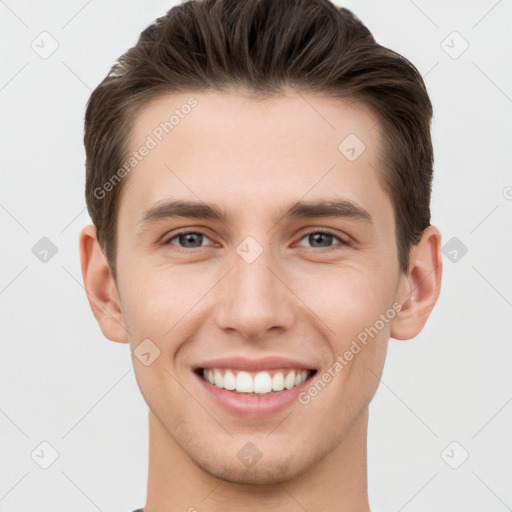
{"x": 298, "y": 299}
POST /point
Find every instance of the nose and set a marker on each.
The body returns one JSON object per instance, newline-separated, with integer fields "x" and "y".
{"x": 255, "y": 298}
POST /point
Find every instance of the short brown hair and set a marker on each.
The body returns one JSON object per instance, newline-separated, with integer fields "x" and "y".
{"x": 263, "y": 46}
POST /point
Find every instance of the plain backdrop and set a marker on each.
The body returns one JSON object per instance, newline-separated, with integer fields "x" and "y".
{"x": 440, "y": 436}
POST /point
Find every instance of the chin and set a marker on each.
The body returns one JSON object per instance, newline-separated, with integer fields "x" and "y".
{"x": 262, "y": 473}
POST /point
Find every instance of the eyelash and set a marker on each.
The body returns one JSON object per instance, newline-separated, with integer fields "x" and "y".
{"x": 342, "y": 242}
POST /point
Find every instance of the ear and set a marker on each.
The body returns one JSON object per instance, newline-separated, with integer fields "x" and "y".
{"x": 420, "y": 286}
{"x": 100, "y": 287}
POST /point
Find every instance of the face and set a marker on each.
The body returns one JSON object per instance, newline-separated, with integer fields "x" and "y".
{"x": 257, "y": 287}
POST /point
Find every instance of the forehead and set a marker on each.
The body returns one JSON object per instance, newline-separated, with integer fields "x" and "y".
{"x": 230, "y": 149}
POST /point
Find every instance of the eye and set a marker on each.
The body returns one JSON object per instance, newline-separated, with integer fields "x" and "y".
{"x": 318, "y": 239}
{"x": 189, "y": 239}
{"x": 323, "y": 239}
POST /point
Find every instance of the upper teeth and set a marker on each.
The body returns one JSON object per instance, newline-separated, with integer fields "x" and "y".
{"x": 258, "y": 382}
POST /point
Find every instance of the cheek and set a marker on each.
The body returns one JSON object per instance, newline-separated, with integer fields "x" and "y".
{"x": 156, "y": 299}
{"x": 347, "y": 300}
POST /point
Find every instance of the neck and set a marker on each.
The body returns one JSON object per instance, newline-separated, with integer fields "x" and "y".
{"x": 337, "y": 482}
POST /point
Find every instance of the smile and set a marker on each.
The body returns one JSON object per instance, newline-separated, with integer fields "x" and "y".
{"x": 253, "y": 394}
{"x": 255, "y": 383}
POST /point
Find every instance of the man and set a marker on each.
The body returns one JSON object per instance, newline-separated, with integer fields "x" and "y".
{"x": 259, "y": 176}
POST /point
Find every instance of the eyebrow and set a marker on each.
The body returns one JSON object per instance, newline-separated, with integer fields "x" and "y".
{"x": 297, "y": 210}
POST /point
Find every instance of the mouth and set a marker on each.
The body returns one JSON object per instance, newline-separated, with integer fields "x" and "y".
{"x": 253, "y": 388}
{"x": 256, "y": 383}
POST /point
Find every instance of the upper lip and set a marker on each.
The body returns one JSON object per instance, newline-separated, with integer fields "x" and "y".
{"x": 254, "y": 365}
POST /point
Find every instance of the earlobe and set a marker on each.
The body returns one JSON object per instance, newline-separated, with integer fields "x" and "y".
{"x": 421, "y": 286}
{"x": 100, "y": 287}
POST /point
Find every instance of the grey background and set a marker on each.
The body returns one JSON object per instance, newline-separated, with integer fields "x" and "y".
{"x": 63, "y": 383}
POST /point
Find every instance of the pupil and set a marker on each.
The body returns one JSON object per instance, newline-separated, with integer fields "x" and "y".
{"x": 189, "y": 237}
{"x": 324, "y": 236}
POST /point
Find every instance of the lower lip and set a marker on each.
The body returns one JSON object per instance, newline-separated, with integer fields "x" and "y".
{"x": 243, "y": 404}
